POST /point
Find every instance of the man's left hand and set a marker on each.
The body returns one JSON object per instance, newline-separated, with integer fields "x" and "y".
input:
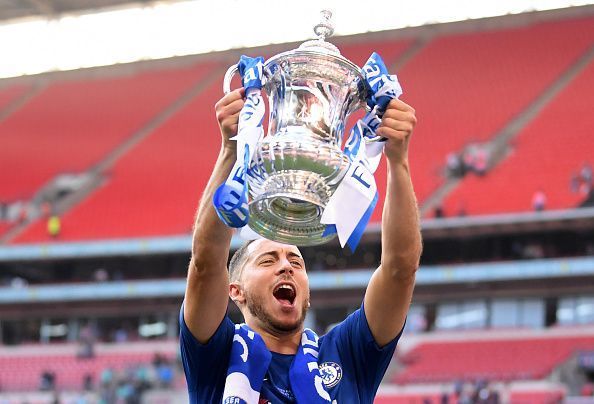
{"x": 397, "y": 126}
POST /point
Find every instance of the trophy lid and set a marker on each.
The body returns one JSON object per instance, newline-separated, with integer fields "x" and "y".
{"x": 323, "y": 30}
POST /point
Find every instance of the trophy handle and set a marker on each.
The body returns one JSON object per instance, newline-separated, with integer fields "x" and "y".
{"x": 228, "y": 77}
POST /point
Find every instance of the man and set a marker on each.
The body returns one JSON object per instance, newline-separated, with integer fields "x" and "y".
{"x": 268, "y": 282}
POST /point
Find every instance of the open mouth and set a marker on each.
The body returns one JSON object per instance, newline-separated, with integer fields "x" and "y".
{"x": 285, "y": 293}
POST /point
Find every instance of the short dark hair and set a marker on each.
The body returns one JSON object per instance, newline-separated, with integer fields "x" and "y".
{"x": 237, "y": 261}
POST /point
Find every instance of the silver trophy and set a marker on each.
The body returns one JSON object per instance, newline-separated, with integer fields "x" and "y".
{"x": 299, "y": 164}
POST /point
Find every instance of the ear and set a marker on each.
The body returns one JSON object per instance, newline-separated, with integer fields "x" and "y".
{"x": 236, "y": 293}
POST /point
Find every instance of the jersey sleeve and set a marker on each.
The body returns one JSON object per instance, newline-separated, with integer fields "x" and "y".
{"x": 369, "y": 361}
{"x": 205, "y": 365}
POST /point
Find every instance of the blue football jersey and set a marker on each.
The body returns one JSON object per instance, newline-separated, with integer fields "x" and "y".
{"x": 351, "y": 364}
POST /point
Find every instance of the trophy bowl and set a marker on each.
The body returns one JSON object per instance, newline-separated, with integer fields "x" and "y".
{"x": 298, "y": 165}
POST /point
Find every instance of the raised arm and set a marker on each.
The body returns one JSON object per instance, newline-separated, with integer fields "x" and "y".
{"x": 390, "y": 289}
{"x": 207, "y": 290}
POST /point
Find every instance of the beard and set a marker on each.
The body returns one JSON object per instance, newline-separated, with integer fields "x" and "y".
{"x": 255, "y": 305}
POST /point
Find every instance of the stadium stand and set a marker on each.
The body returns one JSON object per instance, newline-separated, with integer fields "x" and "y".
{"x": 545, "y": 155}
{"x": 162, "y": 176}
{"x": 74, "y": 124}
{"x": 514, "y": 64}
{"x": 165, "y": 182}
{"x": 27, "y": 364}
{"x": 494, "y": 359}
{"x": 467, "y": 86}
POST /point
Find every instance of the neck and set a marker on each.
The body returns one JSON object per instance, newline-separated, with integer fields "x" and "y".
{"x": 279, "y": 342}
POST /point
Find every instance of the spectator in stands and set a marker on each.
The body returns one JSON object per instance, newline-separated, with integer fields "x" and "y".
{"x": 475, "y": 159}
{"x": 22, "y": 211}
{"x": 438, "y": 212}
{"x": 18, "y": 283}
{"x": 88, "y": 382}
{"x": 480, "y": 161}
{"x": 158, "y": 359}
{"x": 582, "y": 182}
{"x": 56, "y": 398}
{"x": 100, "y": 275}
{"x": 268, "y": 282}
{"x": 120, "y": 335}
{"x": 539, "y": 200}
{"x": 54, "y": 226}
{"x": 458, "y": 388}
{"x": 47, "y": 381}
{"x": 165, "y": 375}
{"x": 586, "y": 179}
{"x": 574, "y": 182}
{"x": 106, "y": 377}
{"x": 86, "y": 340}
{"x": 455, "y": 165}
{"x": 586, "y": 173}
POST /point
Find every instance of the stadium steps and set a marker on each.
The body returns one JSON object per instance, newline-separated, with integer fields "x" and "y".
{"x": 14, "y": 97}
{"x": 410, "y": 52}
{"x": 500, "y": 144}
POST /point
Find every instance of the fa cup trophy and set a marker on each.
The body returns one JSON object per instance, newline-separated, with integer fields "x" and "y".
{"x": 289, "y": 177}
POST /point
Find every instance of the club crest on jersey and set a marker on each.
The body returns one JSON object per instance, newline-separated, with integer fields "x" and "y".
{"x": 331, "y": 373}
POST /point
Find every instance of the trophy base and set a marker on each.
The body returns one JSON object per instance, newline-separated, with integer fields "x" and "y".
{"x": 290, "y": 207}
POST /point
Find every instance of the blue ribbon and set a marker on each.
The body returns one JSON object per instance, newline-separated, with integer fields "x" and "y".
{"x": 250, "y": 70}
{"x": 382, "y": 88}
{"x": 230, "y": 200}
{"x": 381, "y": 85}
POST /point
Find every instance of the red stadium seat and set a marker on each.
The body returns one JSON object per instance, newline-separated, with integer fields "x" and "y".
{"x": 503, "y": 359}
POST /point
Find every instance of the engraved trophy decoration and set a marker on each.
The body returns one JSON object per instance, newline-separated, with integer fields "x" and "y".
{"x": 297, "y": 185}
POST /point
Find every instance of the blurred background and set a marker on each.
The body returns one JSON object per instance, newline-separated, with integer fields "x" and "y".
{"x": 108, "y": 136}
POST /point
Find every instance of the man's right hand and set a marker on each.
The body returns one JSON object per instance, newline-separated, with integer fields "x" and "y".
{"x": 227, "y": 112}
